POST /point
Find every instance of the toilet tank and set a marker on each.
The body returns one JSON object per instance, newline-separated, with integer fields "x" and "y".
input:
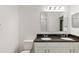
{"x": 28, "y": 44}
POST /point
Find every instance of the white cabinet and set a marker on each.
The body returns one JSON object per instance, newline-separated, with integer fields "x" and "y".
{"x": 56, "y": 47}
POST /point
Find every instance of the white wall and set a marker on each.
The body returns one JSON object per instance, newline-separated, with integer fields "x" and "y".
{"x": 29, "y": 22}
{"x": 9, "y": 29}
{"x": 74, "y": 9}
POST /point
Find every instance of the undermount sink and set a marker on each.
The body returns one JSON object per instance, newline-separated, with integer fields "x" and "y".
{"x": 45, "y": 38}
{"x": 67, "y": 39}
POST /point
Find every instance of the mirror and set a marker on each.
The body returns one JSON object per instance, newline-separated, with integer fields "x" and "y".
{"x": 75, "y": 20}
{"x": 52, "y": 21}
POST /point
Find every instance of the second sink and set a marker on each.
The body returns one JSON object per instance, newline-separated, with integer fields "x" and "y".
{"x": 67, "y": 39}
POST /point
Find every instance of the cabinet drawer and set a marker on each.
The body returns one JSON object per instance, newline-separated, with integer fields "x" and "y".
{"x": 59, "y": 45}
{"x": 59, "y": 50}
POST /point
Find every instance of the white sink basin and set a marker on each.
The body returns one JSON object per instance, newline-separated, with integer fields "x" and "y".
{"x": 45, "y": 38}
{"x": 67, "y": 39}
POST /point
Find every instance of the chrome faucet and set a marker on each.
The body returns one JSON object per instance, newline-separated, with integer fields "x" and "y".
{"x": 45, "y": 35}
{"x": 65, "y": 35}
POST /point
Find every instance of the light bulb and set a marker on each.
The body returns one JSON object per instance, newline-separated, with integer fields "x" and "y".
{"x": 62, "y": 8}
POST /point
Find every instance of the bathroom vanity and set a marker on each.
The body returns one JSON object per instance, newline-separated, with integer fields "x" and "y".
{"x": 56, "y": 44}
{"x": 57, "y": 33}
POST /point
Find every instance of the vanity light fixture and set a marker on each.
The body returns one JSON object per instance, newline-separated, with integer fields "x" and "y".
{"x": 54, "y": 8}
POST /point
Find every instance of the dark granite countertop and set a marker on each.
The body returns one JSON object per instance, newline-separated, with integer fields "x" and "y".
{"x": 56, "y": 38}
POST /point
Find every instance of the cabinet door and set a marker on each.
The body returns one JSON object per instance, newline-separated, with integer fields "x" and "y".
{"x": 40, "y": 48}
{"x": 75, "y": 47}
{"x": 76, "y": 50}
{"x": 59, "y": 47}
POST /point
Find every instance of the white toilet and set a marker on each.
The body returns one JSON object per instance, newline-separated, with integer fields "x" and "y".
{"x": 27, "y": 46}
